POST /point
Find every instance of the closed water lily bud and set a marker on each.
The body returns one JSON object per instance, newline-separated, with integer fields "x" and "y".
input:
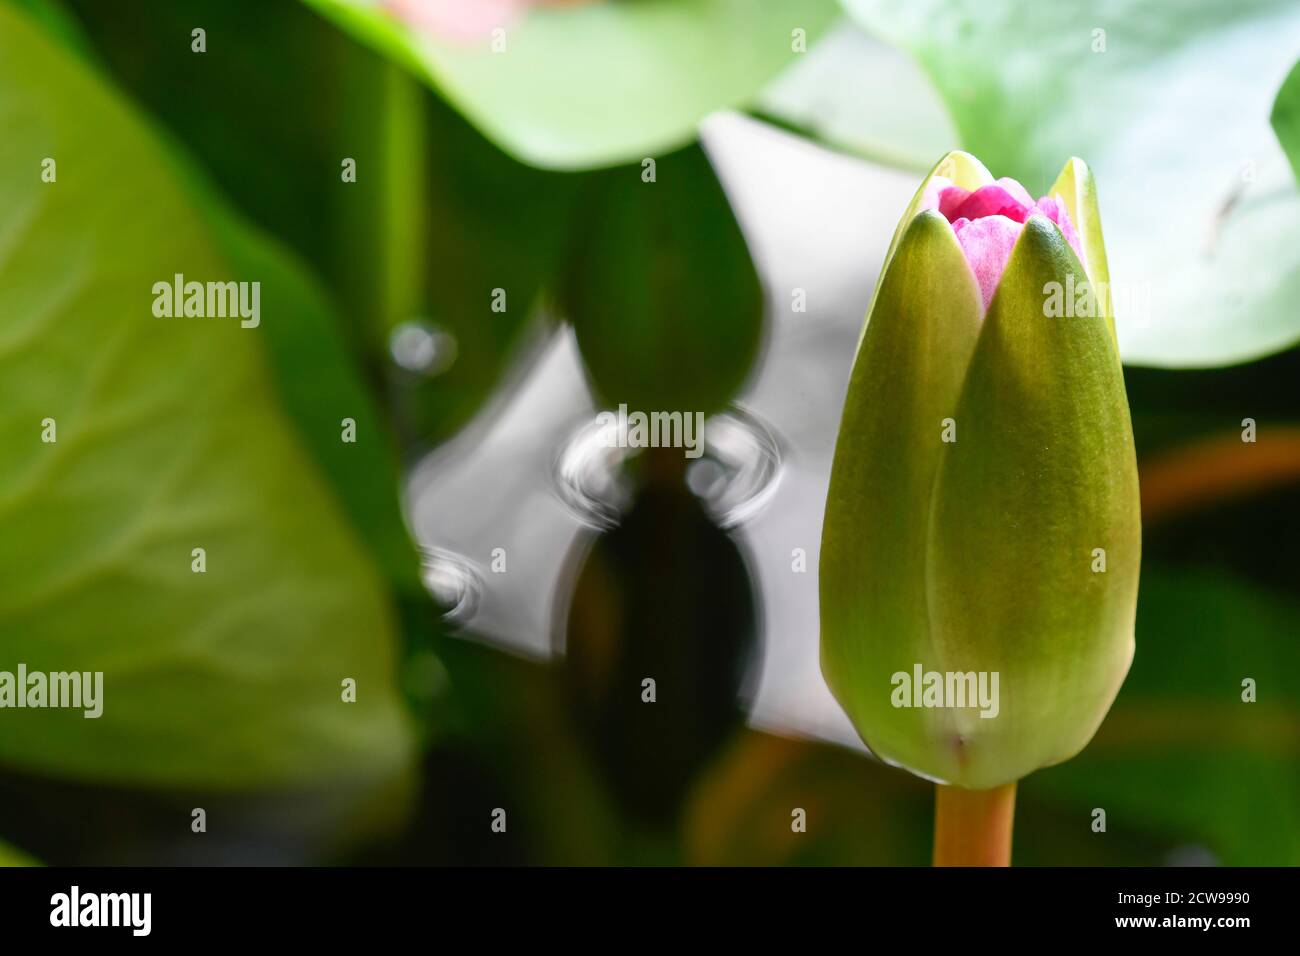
{"x": 982, "y": 536}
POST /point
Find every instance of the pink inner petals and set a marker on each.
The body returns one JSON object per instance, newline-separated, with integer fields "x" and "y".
{"x": 987, "y": 244}
{"x": 988, "y": 222}
{"x": 1006, "y": 197}
{"x": 460, "y": 21}
{"x": 465, "y": 22}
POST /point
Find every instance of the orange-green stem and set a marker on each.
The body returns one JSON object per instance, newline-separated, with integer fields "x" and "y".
{"x": 973, "y": 827}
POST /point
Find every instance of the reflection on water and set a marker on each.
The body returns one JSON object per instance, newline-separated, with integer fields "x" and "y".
{"x": 520, "y": 498}
{"x": 453, "y": 581}
{"x": 735, "y": 476}
{"x": 422, "y": 348}
{"x": 657, "y": 641}
{"x": 589, "y": 476}
{"x": 740, "y": 469}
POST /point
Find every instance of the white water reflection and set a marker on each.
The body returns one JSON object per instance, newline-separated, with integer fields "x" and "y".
{"x": 525, "y": 479}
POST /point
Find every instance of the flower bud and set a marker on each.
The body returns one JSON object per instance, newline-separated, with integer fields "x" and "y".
{"x": 981, "y": 543}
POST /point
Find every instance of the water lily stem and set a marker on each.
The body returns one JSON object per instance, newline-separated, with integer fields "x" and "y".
{"x": 973, "y": 827}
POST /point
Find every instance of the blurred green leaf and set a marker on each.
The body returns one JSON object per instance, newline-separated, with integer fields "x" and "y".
{"x": 309, "y": 347}
{"x": 601, "y": 82}
{"x": 853, "y": 92}
{"x": 1286, "y": 117}
{"x": 492, "y": 223}
{"x": 54, "y": 19}
{"x": 226, "y": 107}
{"x": 265, "y": 108}
{"x": 318, "y": 382}
{"x": 171, "y": 436}
{"x": 11, "y": 857}
{"x": 437, "y": 218}
{"x": 1201, "y": 227}
{"x": 660, "y": 288}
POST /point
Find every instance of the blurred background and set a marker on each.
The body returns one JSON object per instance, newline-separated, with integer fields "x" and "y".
{"x": 476, "y": 226}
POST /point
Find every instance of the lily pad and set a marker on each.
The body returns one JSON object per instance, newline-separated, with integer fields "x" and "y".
{"x": 170, "y": 436}
{"x": 1169, "y": 105}
{"x": 591, "y": 84}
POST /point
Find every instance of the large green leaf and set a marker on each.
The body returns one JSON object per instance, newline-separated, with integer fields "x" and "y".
{"x": 597, "y": 83}
{"x": 171, "y": 436}
{"x": 1199, "y": 207}
{"x": 1286, "y": 117}
{"x": 54, "y": 18}
{"x": 309, "y": 346}
{"x": 318, "y": 382}
{"x": 264, "y": 63}
{"x": 444, "y": 217}
{"x": 834, "y": 94}
{"x": 660, "y": 287}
